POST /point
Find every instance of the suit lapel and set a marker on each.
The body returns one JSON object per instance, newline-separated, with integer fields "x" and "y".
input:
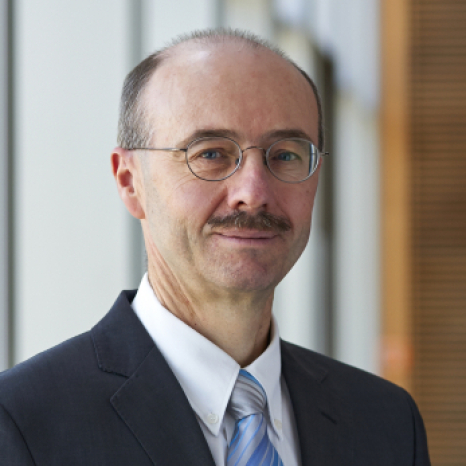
{"x": 151, "y": 402}
{"x": 323, "y": 422}
{"x": 154, "y": 407}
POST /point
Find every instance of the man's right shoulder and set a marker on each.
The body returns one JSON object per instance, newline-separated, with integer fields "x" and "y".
{"x": 68, "y": 367}
{"x": 40, "y": 374}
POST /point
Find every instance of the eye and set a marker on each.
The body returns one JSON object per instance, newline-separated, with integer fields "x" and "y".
{"x": 210, "y": 155}
{"x": 286, "y": 156}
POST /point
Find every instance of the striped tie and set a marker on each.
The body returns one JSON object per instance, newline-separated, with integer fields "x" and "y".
{"x": 250, "y": 444}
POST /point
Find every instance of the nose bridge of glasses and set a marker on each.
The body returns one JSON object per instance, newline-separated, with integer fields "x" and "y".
{"x": 264, "y": 152}
{"x": 254, "y": 147}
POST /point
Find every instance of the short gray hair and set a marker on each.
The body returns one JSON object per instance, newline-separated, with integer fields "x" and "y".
{"x": 134, "y": 128}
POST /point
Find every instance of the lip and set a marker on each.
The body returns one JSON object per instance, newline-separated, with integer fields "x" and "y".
{"x": 248, "y": 234}
{"x": 247, "y": 238}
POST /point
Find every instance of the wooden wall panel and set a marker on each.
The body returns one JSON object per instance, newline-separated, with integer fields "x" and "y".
{"x": 395, "y": 175}
{"x": 424, "y": 119}
{"x": 438, "y": 204}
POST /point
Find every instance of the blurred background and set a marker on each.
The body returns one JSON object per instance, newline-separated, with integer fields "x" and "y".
{"x": 382, "y": 284}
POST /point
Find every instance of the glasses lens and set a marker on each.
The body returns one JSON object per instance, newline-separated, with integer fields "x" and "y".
{"x": 213, "y": 158}
{"x": 293, "y": 160}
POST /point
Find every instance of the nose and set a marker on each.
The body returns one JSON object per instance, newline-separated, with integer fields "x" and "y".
{"x": 250, "y": 188}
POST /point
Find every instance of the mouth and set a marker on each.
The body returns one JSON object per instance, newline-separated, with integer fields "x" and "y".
{"x": 253, "y": 238}
{"x": 247, "y": 234}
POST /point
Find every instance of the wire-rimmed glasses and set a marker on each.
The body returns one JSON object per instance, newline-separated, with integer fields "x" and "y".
{"x": 291, "y": 160}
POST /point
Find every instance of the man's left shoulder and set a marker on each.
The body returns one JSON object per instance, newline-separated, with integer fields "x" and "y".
{"x": 346, "y": 380}
{"x": 379, "y": 419}
{"x": 365, "y": 397}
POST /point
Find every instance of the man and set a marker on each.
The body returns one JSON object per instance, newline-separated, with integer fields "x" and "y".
{"x": 219, "y": 158}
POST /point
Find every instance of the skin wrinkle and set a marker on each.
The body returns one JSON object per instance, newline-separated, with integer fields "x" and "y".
{"x": 217, "y": 282}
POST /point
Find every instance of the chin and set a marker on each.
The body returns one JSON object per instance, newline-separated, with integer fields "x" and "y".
{"x": 246, "y": 279}
{"x": 246, "y": 272}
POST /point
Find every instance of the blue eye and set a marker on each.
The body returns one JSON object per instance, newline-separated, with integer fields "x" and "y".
{"x": 286, "y": 157}
{"x": 211, "y": 155}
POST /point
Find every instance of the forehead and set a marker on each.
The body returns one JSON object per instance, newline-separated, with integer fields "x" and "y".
{"x": 251, "y": 91}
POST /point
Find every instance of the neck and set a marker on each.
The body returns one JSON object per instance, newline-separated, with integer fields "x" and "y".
{"x": 238, "y": 323}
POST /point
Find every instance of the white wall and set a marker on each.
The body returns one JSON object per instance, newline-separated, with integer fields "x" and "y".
{"x": 357, "y": 243}
{"x": 163, "y": 20}
{"x": 349, "y": 33}
{"x": 251, "y": 15}
{"x": 72, "y": 229}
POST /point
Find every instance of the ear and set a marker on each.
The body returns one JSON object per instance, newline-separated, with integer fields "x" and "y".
{"x": 128, "y": 179}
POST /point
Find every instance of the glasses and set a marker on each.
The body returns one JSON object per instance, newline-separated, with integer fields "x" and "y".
{"x": 291, "y": 160}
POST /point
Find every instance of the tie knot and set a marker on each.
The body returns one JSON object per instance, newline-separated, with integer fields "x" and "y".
{"x": 248, "y": 396}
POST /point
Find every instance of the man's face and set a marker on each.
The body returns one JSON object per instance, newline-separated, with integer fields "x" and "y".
{"x": 252, "y": 95}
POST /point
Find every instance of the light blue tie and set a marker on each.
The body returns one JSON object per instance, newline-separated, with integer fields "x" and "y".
{"x": 250, "y": 444}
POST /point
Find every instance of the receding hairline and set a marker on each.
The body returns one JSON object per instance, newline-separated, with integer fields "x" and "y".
{"x": 182, "y": 47}
{"x": 221, "y": 36}
{"x": 203, "y": 39}
{"x": 212, "y": 38}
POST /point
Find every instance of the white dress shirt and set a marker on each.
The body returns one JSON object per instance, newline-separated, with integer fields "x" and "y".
{"x": 207, "y": 375}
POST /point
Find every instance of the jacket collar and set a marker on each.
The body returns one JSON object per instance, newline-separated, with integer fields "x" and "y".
{"x": 150, "y": 401}
{"x": 323, "y": 419}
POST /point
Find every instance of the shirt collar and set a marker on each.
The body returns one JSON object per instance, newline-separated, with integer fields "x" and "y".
{"x": 267, "y": 370}
{"x": 206, "y": 373}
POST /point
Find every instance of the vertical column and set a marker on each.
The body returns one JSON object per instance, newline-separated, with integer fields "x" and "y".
{"x": 5, "y": 192}
{"x": 396, "y": 193}
{"x": 356, "y": 220}
{"x": 136, "y": 247}
{"x": 353, "y": 34}
{"x": 71, "y": 230}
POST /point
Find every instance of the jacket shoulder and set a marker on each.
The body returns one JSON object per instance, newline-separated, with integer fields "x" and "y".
{"x": 63, "y": 363}
{"x": 366, "y": 395}
{"x": 341, "y": 376}
{"x": 382, "y": 417}
{"x": 81, "y": 360}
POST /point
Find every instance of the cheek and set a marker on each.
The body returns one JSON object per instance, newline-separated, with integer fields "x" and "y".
{"x": 181, "y": 207}
{"x": 299, "y": 207}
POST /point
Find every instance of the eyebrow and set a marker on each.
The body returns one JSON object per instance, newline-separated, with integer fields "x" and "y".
{"x": 209, "y": 133}
{"x": 286, "y": 133}
{"x": 271, "y": 135}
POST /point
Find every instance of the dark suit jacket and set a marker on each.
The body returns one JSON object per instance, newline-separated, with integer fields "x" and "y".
{"x": 108, "y": 397}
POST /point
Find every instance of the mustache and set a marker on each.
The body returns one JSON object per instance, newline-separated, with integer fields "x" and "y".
{"x": 263, "y": 221}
